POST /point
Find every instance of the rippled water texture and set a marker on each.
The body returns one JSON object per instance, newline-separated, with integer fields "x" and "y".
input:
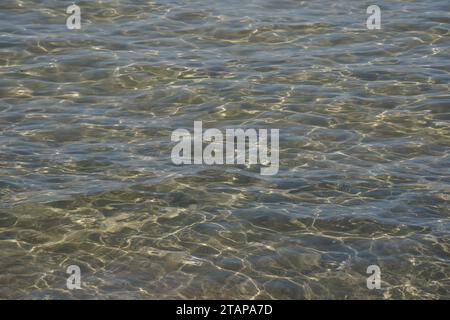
{"x": 86, "y": 176}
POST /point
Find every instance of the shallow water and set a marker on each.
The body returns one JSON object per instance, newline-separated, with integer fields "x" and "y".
{"x": 86, "y": 176}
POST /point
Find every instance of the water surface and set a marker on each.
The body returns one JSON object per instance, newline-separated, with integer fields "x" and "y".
{"x": 86, "y": 176}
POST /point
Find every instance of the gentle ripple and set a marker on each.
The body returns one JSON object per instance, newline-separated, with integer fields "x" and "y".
{"x": 85, "y": 170}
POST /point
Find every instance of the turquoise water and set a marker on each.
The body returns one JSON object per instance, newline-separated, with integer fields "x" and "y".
{"x": 86, "y": 177}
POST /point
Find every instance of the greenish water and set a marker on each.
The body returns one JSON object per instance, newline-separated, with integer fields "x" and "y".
{"x": 85, "y": 171}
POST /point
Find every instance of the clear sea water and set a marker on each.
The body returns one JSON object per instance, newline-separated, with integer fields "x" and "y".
{"x": 85, "y": 171}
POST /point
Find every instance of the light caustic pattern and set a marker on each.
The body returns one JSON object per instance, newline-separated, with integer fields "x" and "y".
{"x": 86, "y": 178}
